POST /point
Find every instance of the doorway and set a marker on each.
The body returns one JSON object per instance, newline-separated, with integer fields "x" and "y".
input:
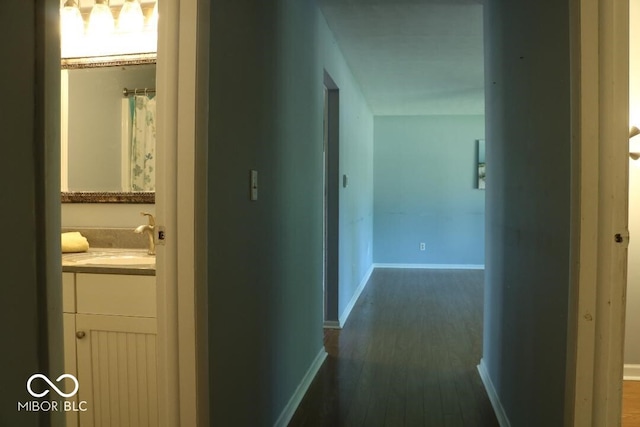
{"x": 182, "y": 94}
{"x": 331, "y": 226}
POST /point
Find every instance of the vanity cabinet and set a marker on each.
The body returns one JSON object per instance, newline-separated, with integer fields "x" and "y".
{"x": 114, "y": 349}
{"x": 69, "y": 333}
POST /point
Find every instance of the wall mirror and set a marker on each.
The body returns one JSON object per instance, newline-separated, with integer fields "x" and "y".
{"x": 108, "y": 129}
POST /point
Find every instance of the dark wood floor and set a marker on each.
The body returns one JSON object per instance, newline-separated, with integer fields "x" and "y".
{"x": 406, "y": 357}
{"x": 631, "y": 404}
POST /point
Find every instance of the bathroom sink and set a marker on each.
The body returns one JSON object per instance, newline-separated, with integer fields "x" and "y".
{"x": 115, "y": 259}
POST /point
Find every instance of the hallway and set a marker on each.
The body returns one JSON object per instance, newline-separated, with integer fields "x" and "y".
{"x": 406, "y": 357}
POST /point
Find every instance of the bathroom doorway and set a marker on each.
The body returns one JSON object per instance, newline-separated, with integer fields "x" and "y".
{"x": 182, "y": 93}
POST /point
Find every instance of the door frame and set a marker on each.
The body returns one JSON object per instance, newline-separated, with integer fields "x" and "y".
{"x": 600, "y": 176}
{"x": 331, "y": 204}
{"x": 182, "y": 70}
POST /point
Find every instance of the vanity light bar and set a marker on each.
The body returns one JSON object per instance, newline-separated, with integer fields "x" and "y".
{"x": 128, "y": 92}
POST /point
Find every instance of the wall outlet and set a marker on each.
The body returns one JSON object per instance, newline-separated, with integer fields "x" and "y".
{"x": 423, "y": 246}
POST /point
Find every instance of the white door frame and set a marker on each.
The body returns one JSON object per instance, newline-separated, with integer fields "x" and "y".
{"x": 600, "y": 91}
{"x": 182, "y": 76}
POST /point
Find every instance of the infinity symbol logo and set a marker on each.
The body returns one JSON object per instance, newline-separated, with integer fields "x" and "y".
{"x": 52, "y": 385}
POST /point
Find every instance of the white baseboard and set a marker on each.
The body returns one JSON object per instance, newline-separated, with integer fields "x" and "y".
{"x": 493, "y": 396}
{"x": 287, "y": 413}
{"x": 631, "y": 372}
{"x": 331, "y": 324}
{"x": 432, "y": 266}
{"x": 347, "y": 311}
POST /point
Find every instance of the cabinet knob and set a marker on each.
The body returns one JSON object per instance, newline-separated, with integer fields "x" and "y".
{"x": 80, "y": 334}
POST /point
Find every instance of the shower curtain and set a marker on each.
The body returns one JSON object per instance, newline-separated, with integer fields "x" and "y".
{"x": 143, "y": 143}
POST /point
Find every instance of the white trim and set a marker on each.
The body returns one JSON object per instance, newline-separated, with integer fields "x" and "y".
{"x": 501, "y": 415}
{"x": 599, "y": 205}
{"x": 432, "y": 266}
{"x": 125, "y": 151}
{"x": 187, "y": 198}
{"x": 64, "y": 130}
{"x": 331, "y": 324}
{"x": 296, "y": 398}
{"x": 342, "y": 319}
{"x": 181, "y": 70}
{"x": 167, "y": 131}
{"x": 631, "y": 372}
{"x": 193, "y": 313}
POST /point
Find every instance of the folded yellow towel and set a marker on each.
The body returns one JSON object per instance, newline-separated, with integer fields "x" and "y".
{"x": 74, "y": 242}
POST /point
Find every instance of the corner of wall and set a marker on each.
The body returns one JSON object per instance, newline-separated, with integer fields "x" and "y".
{"x": 501, "y": 415}
{"x": 290, "y": 409}
{"x": 347, "y": 311}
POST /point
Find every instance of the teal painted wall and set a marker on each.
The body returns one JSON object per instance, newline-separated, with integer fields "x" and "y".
{"x": 30, "y": 290}
{"x": 527, "y": 272}
{"x": 356, "y": 161}
{"x": 19, "y": 265}
{"x": 425, "y": 190}
{"x": 265, "y": 257}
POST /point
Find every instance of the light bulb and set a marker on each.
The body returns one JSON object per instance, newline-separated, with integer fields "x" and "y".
{"x": 152, "y": 23}
{"x": 101, "y": 23}
{"x": 71, "y": 26}
{"x": 131, "y": 19}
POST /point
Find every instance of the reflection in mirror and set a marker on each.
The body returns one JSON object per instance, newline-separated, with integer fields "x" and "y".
{"x": 108, "y": 128}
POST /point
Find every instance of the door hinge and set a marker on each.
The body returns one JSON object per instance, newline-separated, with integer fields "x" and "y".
{"x": 161, "y": 235}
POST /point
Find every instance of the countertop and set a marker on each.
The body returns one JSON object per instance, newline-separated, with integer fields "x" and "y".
{"x": 69, "y": 263}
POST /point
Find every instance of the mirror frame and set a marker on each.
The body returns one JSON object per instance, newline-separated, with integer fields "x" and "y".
{"x": 108, "y": 61}
{"x": 140, "y": 197}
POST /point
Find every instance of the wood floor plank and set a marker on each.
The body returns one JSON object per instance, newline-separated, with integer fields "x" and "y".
{"x": 631, "y": 404}
{"x": 406, "y": 357}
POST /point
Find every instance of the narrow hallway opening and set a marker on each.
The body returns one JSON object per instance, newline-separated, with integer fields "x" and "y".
{"x": 406, "y": 357}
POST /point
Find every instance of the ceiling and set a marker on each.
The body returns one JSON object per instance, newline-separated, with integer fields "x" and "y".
{"x": 413, "y": 57}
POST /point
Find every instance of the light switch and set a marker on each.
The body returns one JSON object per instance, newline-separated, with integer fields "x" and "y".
{"x": 254, "y": 185}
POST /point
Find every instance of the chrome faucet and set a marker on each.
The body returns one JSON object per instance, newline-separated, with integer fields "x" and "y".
{"x": 149, "y": 229}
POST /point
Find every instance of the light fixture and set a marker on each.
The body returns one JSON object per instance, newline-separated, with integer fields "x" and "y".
{"x": 102, "y": 37}
{"x": 633, "y": 132}
{"x": 71, "y": 23}
{"x": 152, "y": 22}
{"x": 101, "y": 22}
{"x": 131, "y": 19}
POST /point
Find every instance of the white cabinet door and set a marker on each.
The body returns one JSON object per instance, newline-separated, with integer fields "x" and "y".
{"x": 70, "y": 367}
{"x": 117, "y": 370}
